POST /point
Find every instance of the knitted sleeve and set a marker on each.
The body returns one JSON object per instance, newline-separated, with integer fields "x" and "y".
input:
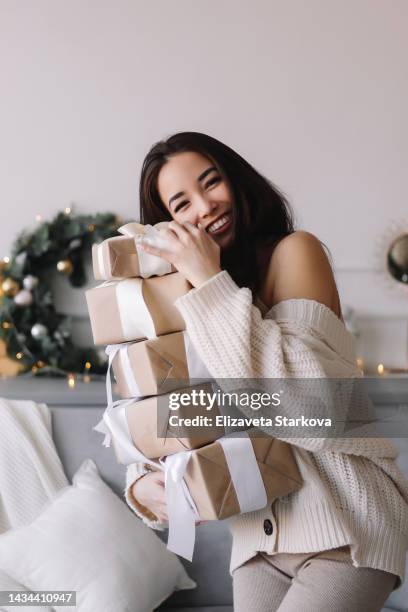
{"x": 236, "y": 342}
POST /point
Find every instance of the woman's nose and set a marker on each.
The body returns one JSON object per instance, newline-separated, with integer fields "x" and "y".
{"x": 205, "y": 207}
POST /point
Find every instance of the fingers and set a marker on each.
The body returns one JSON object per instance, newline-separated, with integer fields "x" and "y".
{"x": 153, "y": 495}
{"x": 185, "y": 228}
{"x": 172, "y": 235}
{"x": 184, "y": 231}
{"x": 179, "y": 230}
{"x": 161, "y": 504}
{"x": 149, "y": 248}
{"x": 159, "y": 476}
{"x": 192, "y": 229}
{"x": 145, "y": 245}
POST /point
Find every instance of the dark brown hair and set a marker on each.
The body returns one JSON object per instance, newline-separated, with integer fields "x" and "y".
{"x": 262, "y": 214}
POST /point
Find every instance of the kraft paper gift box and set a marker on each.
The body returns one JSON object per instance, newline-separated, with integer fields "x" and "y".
{"x": 121, "y": 257}
{"x": 136, "y": 308}
{"x": 210, "y": 484}
{"x": 152, "y": 434}
{"x": 156, "y": 366}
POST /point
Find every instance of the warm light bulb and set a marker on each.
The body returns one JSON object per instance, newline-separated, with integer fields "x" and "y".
{"x": 6, "y": 259}
{"x": 71, "y": 381}
{"x": 68, "y": 210}
{"x": 19, "y": 355}
{"x": 88, "y": 365}
{"x": 380, "y": 369}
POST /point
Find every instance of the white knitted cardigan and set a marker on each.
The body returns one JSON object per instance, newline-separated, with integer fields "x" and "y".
{"x": 353, "y": 492}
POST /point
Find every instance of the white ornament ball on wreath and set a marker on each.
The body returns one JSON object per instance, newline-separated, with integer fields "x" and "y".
{"x": 38, "y": 330}
{"x": 30, "y": 282}
{"x": 23, "y": 298}
{"x": 21, "y": 258}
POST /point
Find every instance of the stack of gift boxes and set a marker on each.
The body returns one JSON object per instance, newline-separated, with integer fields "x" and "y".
{"x": 133, "y": 313}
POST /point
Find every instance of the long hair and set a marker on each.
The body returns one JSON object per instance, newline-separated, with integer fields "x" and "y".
{"x": 262, "y": 215}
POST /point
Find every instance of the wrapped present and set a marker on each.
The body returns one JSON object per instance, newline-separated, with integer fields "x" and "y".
{"x": 155, "y": 366}
{"x": 145, "y": 424}
{"x": 209, "y": 480}
{"x": 136, "y": 308}
{"x": 121, "y": 256}
{"x": 238, "y": 473}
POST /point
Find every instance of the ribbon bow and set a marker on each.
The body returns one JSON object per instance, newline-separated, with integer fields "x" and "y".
{"x": 182, "y": 511}
{"x": 149, "y": 264}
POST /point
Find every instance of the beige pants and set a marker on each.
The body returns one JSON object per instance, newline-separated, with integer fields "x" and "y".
{"x": 309, "y": 582}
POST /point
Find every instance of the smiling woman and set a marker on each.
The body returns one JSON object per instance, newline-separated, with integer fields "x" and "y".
{"x": 194, "y": 178}
{"x": 343, "y": 535}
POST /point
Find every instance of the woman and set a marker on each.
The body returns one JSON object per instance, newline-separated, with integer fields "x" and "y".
{"x": 338, "y": 543}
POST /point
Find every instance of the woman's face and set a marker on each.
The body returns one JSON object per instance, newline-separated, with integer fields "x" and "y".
{"x": 193, "y": 190}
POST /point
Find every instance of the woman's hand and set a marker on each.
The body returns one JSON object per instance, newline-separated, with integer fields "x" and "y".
{"x": 149, "y": 491}
{"x": 190, "y": 249}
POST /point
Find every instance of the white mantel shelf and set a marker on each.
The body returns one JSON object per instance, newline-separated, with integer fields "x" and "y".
{"x": 54, "y": 391}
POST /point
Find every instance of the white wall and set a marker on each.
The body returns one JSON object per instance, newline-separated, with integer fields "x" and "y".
{"x": 313, "y": 93}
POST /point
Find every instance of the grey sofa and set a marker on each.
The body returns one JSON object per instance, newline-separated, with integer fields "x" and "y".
{"x": 75, "y": 413}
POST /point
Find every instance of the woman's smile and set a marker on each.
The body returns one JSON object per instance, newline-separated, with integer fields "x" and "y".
{"x": 220, "y": 225}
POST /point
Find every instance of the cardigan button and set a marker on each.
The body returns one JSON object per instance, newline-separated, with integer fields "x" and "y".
{"x": 268, "y": 527}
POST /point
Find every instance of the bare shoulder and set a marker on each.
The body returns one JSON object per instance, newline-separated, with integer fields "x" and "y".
{"x": 299, "y": 268}
{"x": 298, "y": 244}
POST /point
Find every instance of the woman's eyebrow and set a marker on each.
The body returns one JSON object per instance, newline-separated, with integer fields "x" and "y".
{"x": 200, "y": 178}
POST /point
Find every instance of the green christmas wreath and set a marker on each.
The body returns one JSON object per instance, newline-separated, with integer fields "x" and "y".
{"x": 35, "y": 335}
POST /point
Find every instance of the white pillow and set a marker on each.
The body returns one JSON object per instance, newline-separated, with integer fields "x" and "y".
{"x": 87, "y": 540}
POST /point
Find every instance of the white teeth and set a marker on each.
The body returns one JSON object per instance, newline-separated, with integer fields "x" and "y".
{"x": 218, "y": 224}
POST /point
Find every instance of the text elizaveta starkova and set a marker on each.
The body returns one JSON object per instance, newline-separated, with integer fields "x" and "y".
{"x": 221, "y": 420}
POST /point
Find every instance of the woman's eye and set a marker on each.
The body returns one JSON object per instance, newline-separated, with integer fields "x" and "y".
{"x": 212, "y": 181}
{"x": 179, "y": 206}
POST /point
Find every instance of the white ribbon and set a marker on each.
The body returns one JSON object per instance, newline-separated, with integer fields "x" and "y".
{"x": 245, "y": 474}
{"x": 196, "y": 369}
{"x": 195, "y": 366}
{"x": 149, "y": 264}
{"x": 101, "y": 261}
{"x": 136, "y": 320}
{"x": 182, "y": 511}
{"x": 114, "y": 424}
{"x": 112, "y": 350}
{"x": 128, "y": 373}
{"x": 135, "y": 317}
{"x": 181, "y": 508}
{"x": 115, "y": 420}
